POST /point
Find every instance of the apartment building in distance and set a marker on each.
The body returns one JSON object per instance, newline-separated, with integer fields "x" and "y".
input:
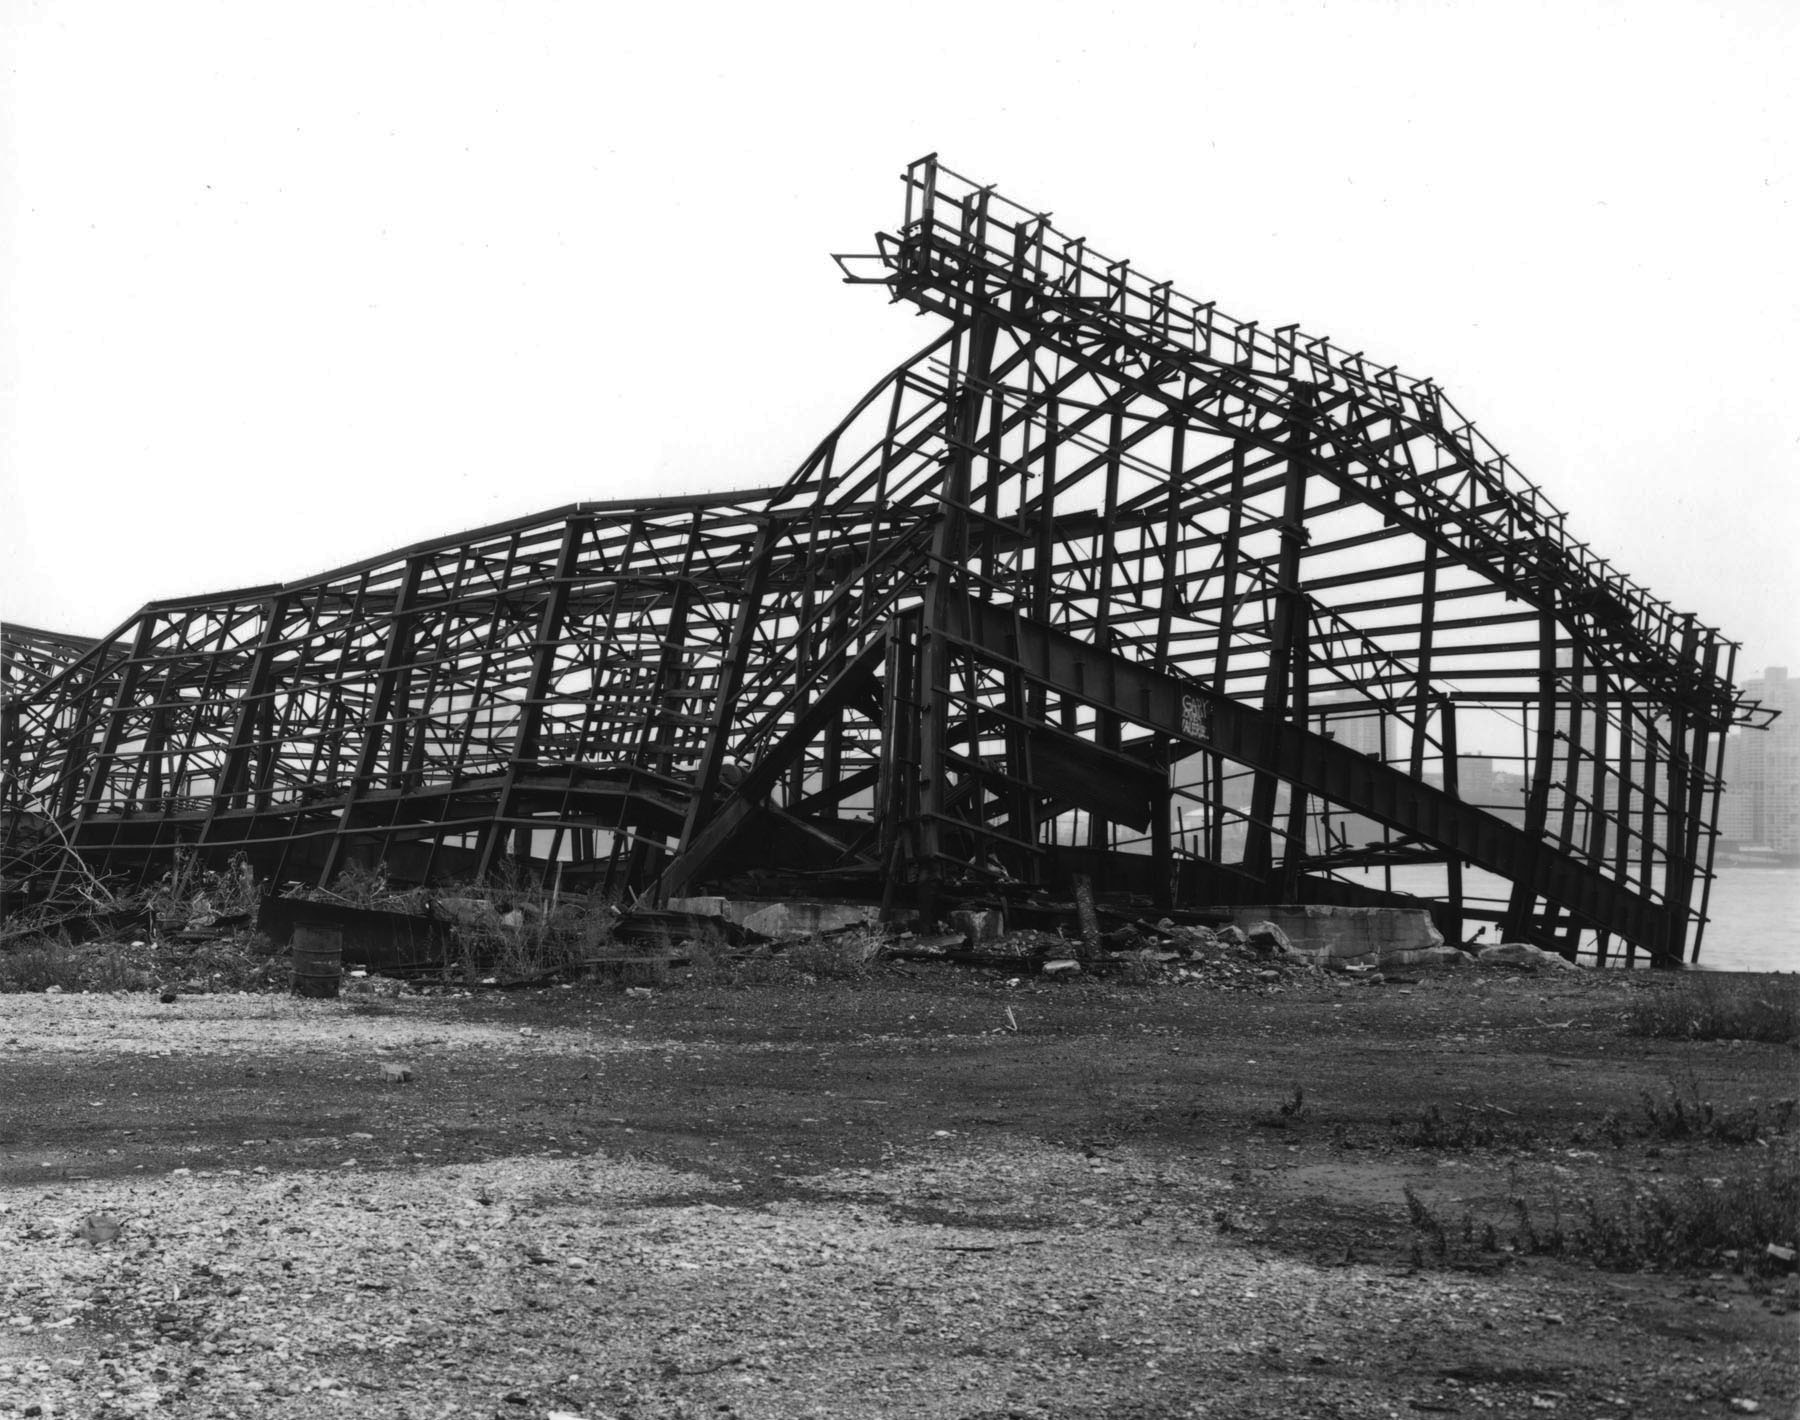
{"x": 1760, "y": 808}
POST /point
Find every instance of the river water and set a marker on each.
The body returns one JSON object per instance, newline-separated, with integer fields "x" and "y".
{"x": 1754, "y": 913}
{"x": 1755, "y": 922}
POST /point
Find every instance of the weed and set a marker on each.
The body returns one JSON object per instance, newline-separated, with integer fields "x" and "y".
{"x": 1105, "y": 1121}
{"x": 1134, "y": 969}
{"x": 519, "y": 930}
{"x": 240, "y": 963}
{"x": 1527, "y": 1239}
{"x": 365, "y": 885}
{"x": 43, "y": 963}
{"x": 1682, "y": 1222}
{"x": 190, "y": 894}
{"x": 1718, "y": 1006}
{"x": 838, "y": 956}
{"x": 1614, "y": 1129}
{"x": 1426, "y": 1223}
{"x": 1431, "y": 1130}
{"x": 709, "y": 960}
{"x": 1686, "y": 1115}
{"x": 1286, "y": 1113}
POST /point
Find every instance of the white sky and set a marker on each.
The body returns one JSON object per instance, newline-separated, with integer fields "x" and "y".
{"x": 288, "y": 285}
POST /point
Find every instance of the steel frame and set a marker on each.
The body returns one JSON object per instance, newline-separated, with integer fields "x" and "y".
{"x": 1101, "y": 580}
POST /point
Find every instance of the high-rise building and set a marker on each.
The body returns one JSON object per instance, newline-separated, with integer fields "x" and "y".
{"x": 1737, "y": 805}
{"x": 1359, "y": 730}
{"x": 1761, "y": 807}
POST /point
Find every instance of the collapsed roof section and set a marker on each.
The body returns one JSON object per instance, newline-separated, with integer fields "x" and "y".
{"x": 1101, "y": 581}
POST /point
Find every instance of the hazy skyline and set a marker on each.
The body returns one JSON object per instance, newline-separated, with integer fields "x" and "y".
{"x": 290, "y": 288}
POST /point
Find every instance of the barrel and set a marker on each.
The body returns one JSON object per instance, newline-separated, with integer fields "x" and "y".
{"x": 318, "y": 960}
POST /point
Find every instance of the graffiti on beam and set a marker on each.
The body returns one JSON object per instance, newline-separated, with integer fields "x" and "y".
{"x": 1196, "y": 718}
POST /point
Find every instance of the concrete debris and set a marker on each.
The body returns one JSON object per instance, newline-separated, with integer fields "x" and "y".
{"x": 1523, "y": 954}
{"x": 1267, "y": 939}
{"x": 979, "y": 928}
{"x": 1335, "y": 937}
{"x": 776, "y": 917}
{"x": 807, "y": 919}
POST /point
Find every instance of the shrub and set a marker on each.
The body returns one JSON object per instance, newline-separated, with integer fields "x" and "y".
{"x": 1718, "y": 1006}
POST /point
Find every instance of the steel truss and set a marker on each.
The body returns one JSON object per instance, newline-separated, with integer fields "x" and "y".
{"x": 1101, "y": 581}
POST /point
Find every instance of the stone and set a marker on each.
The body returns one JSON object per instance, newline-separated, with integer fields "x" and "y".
{"x": 1522, "y": 954}
{"x": 1268, "y": 939}
{"x": 1061, "y": 968}
{"x": 98, "y": 1228}
{"x": 979, "y": 927}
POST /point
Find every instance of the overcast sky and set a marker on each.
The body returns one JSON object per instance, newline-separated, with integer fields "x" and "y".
{"x": 289, "y": 285}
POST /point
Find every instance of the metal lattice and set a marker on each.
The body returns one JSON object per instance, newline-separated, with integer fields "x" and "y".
{"x": 1100, "y": 581}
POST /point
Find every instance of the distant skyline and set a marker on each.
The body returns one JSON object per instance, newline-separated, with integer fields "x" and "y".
{"x": 286, "y": 288}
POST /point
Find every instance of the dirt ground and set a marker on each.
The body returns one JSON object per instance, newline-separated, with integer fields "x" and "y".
{"x": 927, "y": 1193}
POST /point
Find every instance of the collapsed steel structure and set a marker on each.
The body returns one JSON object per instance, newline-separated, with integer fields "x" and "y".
{"x": 1100, "y": 581}
{"x": 31, "y": 657}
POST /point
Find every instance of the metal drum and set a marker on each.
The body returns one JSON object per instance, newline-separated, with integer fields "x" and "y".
{"x": 318, "y": 960}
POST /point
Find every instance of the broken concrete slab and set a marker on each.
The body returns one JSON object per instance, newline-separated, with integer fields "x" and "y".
{"x": 782, "y": 917}
{"x": 1429, "y": 956}
{"x": 1328, "y": 935}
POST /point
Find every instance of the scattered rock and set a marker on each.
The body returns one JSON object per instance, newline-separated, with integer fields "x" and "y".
{"x": 98, "y": 1228}
{"x": 396, "y": 1074}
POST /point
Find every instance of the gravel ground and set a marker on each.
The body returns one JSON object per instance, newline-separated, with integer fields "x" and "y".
{"x": 955, "y": 1271}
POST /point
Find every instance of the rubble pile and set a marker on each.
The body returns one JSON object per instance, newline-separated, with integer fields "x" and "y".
{"x": 1163, "y": 952}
